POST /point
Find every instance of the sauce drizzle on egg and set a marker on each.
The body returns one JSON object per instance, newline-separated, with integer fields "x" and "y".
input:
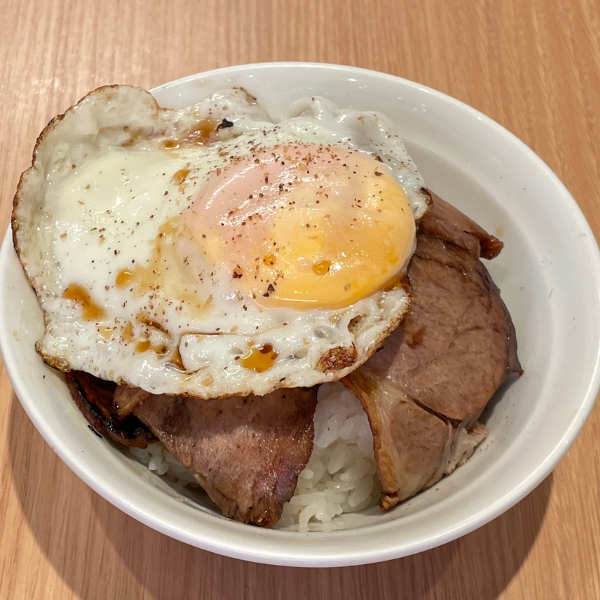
{"x": 90, "y": 310}
{"x": 124, "y": 278}
{"x": 259, "y": 359}
{"x": 202, "y": 133}
{"x": 146, "y": 345}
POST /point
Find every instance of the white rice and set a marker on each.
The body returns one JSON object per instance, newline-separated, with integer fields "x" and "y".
{"x": 340, "y": 476}
{"x": 162, "y": 462}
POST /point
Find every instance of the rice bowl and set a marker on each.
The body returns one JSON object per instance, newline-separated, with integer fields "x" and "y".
{"x": 560, "y": 360}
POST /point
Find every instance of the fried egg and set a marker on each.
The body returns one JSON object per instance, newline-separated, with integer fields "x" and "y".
{"x": 211, "y": 251}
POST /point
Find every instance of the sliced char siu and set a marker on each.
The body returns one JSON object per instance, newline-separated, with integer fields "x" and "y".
{"x": 94, "y": 398}
{"x": 448, "y": 223}
{"x": 425, "y": 389}
{"x": 246, "y": 453}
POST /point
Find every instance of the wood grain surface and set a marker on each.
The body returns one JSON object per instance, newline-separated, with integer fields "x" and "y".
{"x": 532, "y": 66}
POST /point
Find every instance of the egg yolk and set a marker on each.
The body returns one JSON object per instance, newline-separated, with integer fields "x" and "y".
{"x": 305, "y": 225}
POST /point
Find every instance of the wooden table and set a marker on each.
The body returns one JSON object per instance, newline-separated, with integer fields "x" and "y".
{"x": 532, "y": 66}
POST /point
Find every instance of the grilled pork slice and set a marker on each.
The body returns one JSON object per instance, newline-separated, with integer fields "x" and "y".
{"x": 448, "y": 223}
{"x": 94, "y": 397}
{"x": 414, "y": 447}
{"x": 246, "y": 453}
{"x": 425, "y": 389}
{"x": 127, "y": 398}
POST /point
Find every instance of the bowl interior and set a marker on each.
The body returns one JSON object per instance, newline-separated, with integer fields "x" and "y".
{"x": 549, "y": 275}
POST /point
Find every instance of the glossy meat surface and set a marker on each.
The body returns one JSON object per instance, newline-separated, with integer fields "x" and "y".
{"x": 424, "y": 390}
{"x": 246, "y": 452}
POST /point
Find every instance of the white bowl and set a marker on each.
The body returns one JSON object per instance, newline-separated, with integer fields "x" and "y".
{"x": 549, "y": 274}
